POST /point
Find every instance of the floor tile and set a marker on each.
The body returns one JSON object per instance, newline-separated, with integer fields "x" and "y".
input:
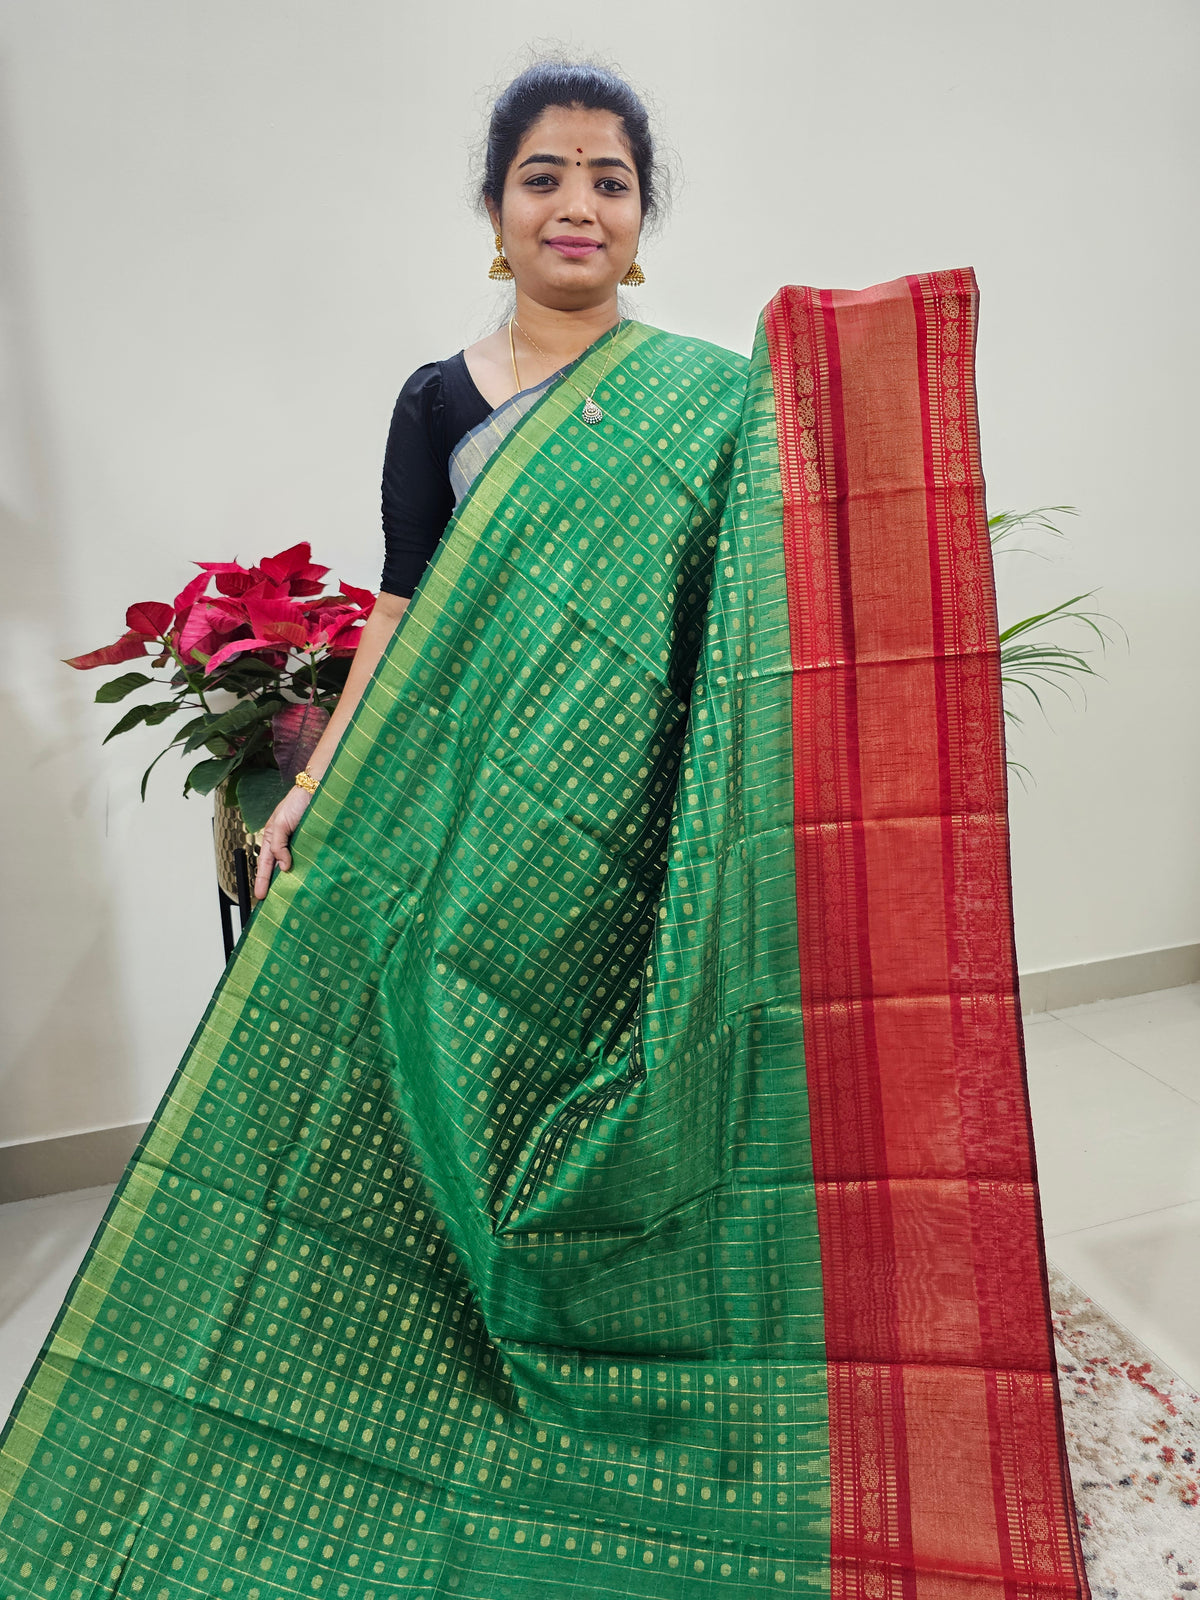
{"x": 1111, "y": 1140}
{"x": 1142, "y": 1270}
{"x": 1158, "y": 1032}
{"x": 42, "y": 1243}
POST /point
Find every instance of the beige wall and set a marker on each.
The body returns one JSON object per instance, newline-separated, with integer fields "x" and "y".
{"x": 230, "y": 230}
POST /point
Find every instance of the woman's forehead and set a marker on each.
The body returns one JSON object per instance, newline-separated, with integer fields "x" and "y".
{"x": 569, "y": 125}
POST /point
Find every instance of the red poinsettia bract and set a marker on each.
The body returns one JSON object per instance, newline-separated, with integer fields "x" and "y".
{"x": 272, "y": 609}
{"x": 266, "y": 634}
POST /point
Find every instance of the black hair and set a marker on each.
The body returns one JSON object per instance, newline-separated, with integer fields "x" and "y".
{"x": 566, "y": 83}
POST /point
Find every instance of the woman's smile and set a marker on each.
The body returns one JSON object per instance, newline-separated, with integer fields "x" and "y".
{"x": 574, "y": 249}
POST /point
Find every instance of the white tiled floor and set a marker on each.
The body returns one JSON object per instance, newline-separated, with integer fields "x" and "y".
{"x": 42, "y": 1242}
{"x": 1115, "y": 1089}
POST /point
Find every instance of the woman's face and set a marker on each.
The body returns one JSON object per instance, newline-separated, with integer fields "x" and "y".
{"x": 571, "y": 210}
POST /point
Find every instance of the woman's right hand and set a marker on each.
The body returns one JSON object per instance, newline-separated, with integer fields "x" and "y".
{"x": 277, "y": 837}
{"x": 281, "y": 824}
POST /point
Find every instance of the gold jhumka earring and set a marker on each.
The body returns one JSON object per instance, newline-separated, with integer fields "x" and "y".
{"x": 635, "y": 277}
{"x": 500, "y": 271}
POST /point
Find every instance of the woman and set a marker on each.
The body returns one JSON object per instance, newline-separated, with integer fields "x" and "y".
{"x": 604, "y": 1169}
{"x": 567, "y": 187}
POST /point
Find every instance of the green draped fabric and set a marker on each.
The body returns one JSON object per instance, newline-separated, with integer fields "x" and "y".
{"x": 473, "y": 1251}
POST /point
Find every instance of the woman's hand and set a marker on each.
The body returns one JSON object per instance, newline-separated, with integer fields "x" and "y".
{"x": 281, "y": 824}
{"x": 277, "y": 837}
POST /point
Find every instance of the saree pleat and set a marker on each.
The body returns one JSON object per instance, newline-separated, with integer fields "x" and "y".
{"x": 604, "y": 1168}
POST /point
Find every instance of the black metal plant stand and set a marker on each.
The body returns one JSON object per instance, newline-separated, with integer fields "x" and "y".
{"x": 244, "y": 904}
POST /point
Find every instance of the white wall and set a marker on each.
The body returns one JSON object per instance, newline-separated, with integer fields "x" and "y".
{"x": 230, "y": 231}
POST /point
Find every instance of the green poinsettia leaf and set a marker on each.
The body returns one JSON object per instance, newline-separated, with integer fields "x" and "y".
{"x": 132, "y": 719}
{"x": 160, "y": 712}
{"x": 189, "y": 728}
{"x": 258, "y": 740}
{"x": 248, "y": 668}
{"x": 333, "y": 671}
{"x": 206, "y": 775}
{"x": 205, "y": 729}
{"x": 259, "y": 791}
{"x": 245, "y": 714}
{"x": 109, "y": 693}
{"x": 150, "y": 769}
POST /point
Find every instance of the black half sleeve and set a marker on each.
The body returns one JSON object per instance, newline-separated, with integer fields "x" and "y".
{"x": 417, "y": 498}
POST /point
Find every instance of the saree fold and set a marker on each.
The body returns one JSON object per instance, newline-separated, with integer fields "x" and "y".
{"x": 604, "y": 1168}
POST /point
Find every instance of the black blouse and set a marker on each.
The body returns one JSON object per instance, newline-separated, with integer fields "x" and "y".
{"x": 435, "y": 408}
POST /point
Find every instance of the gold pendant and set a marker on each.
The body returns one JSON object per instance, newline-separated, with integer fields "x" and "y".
{"x": 592, "y": 413}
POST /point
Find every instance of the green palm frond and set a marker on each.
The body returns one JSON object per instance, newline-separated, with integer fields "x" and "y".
{"x": 1031, "y": 660}
{"x": 1005, "y": 524}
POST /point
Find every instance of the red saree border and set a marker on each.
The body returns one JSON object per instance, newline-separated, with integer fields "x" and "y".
{"x": 948, "y": 1467}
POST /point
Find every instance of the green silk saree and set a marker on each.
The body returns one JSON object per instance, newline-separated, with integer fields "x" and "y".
{"x": 604, "y": 1167}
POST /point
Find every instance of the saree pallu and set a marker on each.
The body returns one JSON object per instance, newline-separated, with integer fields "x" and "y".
{"x": 604, "y": 1169}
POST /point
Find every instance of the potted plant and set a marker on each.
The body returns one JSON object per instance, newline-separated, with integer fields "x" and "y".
{"x": 254, "y": 658}
{"x": 1030, "y": 658}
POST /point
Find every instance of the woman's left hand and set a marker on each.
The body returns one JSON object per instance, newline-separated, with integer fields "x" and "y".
{"x": 277, "y": 838}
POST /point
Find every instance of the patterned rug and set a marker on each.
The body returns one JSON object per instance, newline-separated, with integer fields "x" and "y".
{"x": 1133, "y": 1433}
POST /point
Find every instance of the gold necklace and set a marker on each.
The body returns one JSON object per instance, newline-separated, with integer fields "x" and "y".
{"x": 590, "y": 411}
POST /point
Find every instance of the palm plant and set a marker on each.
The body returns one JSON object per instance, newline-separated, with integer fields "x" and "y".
{"x": 1030, "y": 659}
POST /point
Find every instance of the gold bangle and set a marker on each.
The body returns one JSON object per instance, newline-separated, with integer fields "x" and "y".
{"x": 307, "y": 781}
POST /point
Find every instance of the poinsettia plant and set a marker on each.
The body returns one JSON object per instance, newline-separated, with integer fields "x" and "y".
{"x": 268, "y": 636}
